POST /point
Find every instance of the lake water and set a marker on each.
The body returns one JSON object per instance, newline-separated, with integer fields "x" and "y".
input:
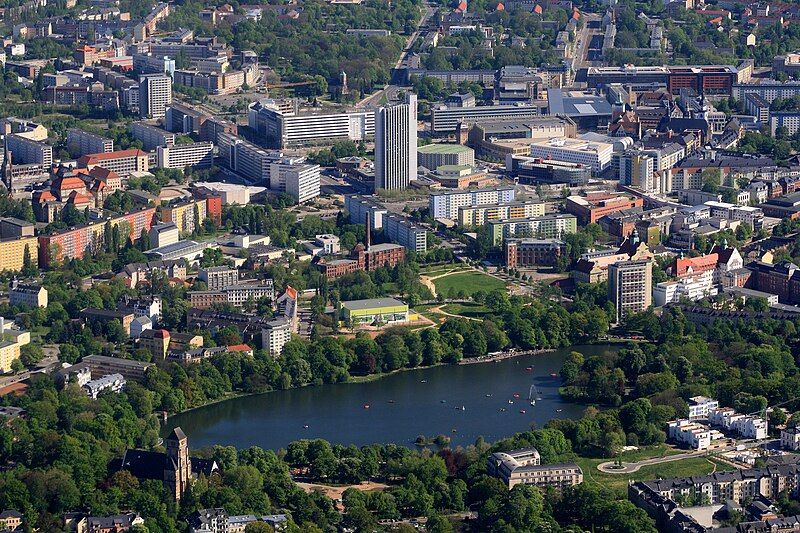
{"x": 402, "y": 406}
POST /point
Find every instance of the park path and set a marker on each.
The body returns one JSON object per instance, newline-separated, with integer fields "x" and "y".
{"x": 629, "y": 468}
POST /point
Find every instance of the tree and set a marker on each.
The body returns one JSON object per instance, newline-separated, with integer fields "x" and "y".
{"x": 28, "y": 268}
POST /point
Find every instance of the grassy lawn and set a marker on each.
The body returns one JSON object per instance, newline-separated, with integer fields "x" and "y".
{"x": 468, "y": 282}
{"x": 469, "y": 310}
{"x": 694, "y": 466}
{"x": 438, "y": 270}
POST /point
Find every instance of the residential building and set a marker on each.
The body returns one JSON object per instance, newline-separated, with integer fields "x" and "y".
{"x": 101, "y": 365}
{"x": 396, "y": 145}
{"x": 81, "y": 142}
{"x": 790, "y": 438}
{"x": 275, "y": 334}
{"x": 787, "y": 121}
{"x": 700, "y": 406}
{"x": 27, "y": 151}
{"x": 104, "y": 316}
{"x": 638, "y": 170}
{"x": 151, "y": 136}
{"x": 11, "y": 342}
{"x": 110, "y": 524}
{"x": 238, "y": 295}
{"x": 445, "y": 204}
{"x": 692, "y": 287}
{"x": 208, "y": 521}
{"x": 523, "y": 466}
{"x": 123, "y": 162}
{"x": 522, "y": 253}
{"x": 406, "y": 232}
{"x": 155, "y": 94}
{"x": 156, "y": 341}
{"x": 218, "y": 277}
{"x": 746, "y": 426}
{"x": 758, "y": 107}
{"x": 479, "y": 215}
{"x": 363, "y": 208}
{"x": 285, "y": 126}
{"x": 16, "y": 228}
{"x": 374, "y": 311}
{"x": 111, "y": 382}
{"x": 544, "y": 227}
{"x": 186, "y": 215}
{"x": 187, "y": 155}
{"x": 163, "y": 234}
{"x": 630, "y": 286}
{"x": 11, "y": 520}
{"x": 432, "y": 156}
{"x": 691, "y": 434}
{"x": 27, "y": 294}
{"x": 781, "y": 279}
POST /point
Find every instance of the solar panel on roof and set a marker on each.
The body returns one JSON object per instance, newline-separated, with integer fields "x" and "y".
{"x": 586, "y": 109}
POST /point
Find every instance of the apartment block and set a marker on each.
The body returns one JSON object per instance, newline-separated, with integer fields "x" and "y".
{"x": 185, "y": 215}
{"x": 630, "y": 286}
{"x": 81, "y": 142}
{"x": 27, "y": 294}
{"x": 123, "y": 162}
{"x": 151, "y": 136}
{"x": 295, "y": 177}
{"x": 275, "y": 334}
{"x": 27, "y": 151}
{"x": 218, "y": 277}
{"x": 155, "y": 94}
{"x": 700, "y": 406}
{"x": 544, "y": 227}
{"x": 181, "y": 156}
{"x": 445, "y": 204}
{"x": 533, "y": 252}
{"x": 482, "y": 214}
{"x": 406, "y": 232}
{"x": 12, "y": 252}
{"x": 746, "y": 426}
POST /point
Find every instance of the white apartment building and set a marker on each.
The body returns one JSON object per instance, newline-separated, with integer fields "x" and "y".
{"x": 113, "y": 382}
{"x": 26, "y": 151}
{"x": 81, "y": 142}
{"x": 218, "y": 277}
{"x": 199, "y": 155}
{"x": 30, "y": 295}
{"x": 296, "y": 178}
{"x": 164, "y": 234}
{"x": 155, "y": 94}
{"x": 630, "y": 286}
{"x": 151, "y": 136}
{"x": 690, "y": 287}
{"x": 638, "y": 170}
{"x": 275, "y": 335}
{"x": 396, "y": 145}
{"x": 596, "y": 155}
{"x": 748, "y": 427}
{"x": 445, "y": 204}
{"x": 790, "y": 438}
{"x": 699, "y": 406}
{"x": 691, "y": 434}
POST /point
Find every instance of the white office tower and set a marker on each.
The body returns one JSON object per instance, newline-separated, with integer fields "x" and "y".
{"x": 155, "y": 94}
{"x": 396, "y": 145}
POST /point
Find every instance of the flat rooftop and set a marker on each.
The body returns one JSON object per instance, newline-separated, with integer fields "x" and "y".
{"x": 441, "y": 148}
{"x": 372, "y": 303}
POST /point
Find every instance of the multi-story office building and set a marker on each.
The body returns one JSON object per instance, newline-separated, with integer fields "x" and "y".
{"x": 27, "y": 151}
{"x": 155, "y": 94}
{"x": 630, "y": 286}
{"x": 445, "y": 204}
{"x": 446, "y": 119}
{"x": 535, "y": 171}
{"x": 296, "y": 178}
{"x": 691, "y": 288}
{"x": 284, "y": 126}
{"x": 406, "y": 232}
{"x": 479, "y": 215}
{"x": 433, "y": 156}
{"x": 643, "y": 77}
{"x": 238, "y": 294}
{"x": 151, "y": 136}
{"x": 123, "y": 162}
{"x": 246, "y": 159}
{"x": 396, "y": 145}
{"x": 153, "y": 64}
{"x": 275, "y": 334}
{"x": 218, "y": 277}
{"x": 595, "y": 155}
{"x": 360, "y": 207}
{"x": 594, "y": 206}
{"x": 544, "y": 227}
{"x": 198, "y": 155}
{"x": 112, "y": 382}
{"x": 81, "y": 142}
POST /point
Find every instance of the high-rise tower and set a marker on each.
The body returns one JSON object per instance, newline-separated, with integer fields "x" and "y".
{"x": 396, "y": 145}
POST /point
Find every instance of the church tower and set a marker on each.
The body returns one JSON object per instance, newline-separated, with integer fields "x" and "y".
{"x": 178, "y": 468}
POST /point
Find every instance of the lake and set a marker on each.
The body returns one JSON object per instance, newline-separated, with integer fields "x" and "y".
{"x": 460, "y": 401}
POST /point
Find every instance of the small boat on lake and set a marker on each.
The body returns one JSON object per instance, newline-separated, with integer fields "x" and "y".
{"x": 366, "y": 406}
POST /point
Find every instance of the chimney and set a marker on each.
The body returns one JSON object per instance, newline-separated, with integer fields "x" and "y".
{"x": 369, "y": 236}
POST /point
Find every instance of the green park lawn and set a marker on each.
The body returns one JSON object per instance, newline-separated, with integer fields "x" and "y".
{"x": 471, "y": 310}
{"x": 468, "y": 282}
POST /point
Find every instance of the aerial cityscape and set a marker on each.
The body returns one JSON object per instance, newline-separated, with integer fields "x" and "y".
{"x": 400, "y": 265}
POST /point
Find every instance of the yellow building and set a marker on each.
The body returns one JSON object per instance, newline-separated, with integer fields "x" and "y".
{"x": 10, "y": 346}
{"x": 479, "y": 215}
{"x": 183, "y": 215}
{"x": 12, "y": 252}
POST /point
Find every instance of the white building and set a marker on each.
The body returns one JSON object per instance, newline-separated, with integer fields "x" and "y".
{"x": 396, "y": 145}
{"x": 747, "y": 427}
{"x": 699, "y": 406}
{"x": 638, "y": 170}
{"x": 155, "y": 94}
{"x": 113, "y": 382}
{"x": 27, "y": 294}
{"x": 690, "y": 434}
{"x": 445, "y": 204}
{"x": 151, "y": 136}
{"x": 596, "y": 155}
{"x": 199, "y": 155}
{"x": 275, "y": 335}
{"x": 296, "y": 178}
{"x": 790, "y": 438}
{"x": 690, "y": 287}
{"x": 329, "y": 243}
{"x": 163, "y": 234}
{"x": 246, "y": 159}
{"x": 27, "y": 151}
{"x": 81, "y": 142}
{"x": 139, "y": 325}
